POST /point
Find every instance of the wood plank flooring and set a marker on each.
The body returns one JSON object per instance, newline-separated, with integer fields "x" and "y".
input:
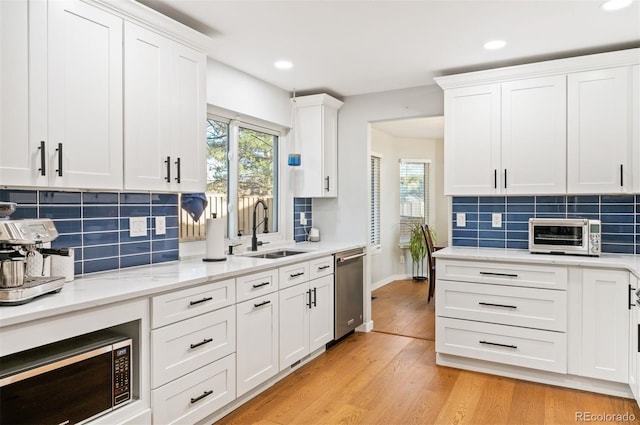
{"x": 384, "y": 378}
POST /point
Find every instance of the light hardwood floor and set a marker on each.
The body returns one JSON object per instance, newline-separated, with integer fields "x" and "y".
{"x": 383, "y": 378}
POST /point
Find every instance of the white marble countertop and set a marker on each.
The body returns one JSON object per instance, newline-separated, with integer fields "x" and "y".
{"x": 115, "y": 286}
{"x": 613, "y": 261}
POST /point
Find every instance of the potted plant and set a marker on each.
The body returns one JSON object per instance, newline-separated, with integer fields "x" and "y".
{"x": 418, "y": 249}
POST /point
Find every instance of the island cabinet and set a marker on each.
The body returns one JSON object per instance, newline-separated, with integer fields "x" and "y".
{"x": 538, "y": 128}
{"x": 193, "y": 344}
{"x": 316, "y": 140}
{"x": 61, "y": 115}
{"x": 634, "y": 339}
{"x": 599, "y": 324}
{"x": 504, "y": 313}
{"x": 306, "y": 313}
{"x": 164, "y": 110}
{"x": 257, "y": 315}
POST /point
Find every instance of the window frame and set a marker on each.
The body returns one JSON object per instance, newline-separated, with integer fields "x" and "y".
{"x": 427, "y": 195}
{"x": 375, "y": 228}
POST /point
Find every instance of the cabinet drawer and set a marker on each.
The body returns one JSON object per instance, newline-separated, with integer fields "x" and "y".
{"x": 196, "y": 395}
{"x": 320, "y": 267}
{"x": 509, "y": 305}
{"x": 514, "y": 274}
{"x": 293, "y": 274}
{"x": 255, "y": 285}
{"x": 532, "y": 348}
{"x": 182, "y": 347}
{"x": 186, "y": 303}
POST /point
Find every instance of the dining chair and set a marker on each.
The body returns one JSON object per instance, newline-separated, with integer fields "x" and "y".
{"x": 430, "y": 259}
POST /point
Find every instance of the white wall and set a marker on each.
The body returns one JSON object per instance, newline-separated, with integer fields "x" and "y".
{"x": 388, "y": 267}
{"x": 347, "y": 217}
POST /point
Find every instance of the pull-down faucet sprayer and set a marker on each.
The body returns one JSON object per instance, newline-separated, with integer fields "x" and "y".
{"x": 265, "y": 220}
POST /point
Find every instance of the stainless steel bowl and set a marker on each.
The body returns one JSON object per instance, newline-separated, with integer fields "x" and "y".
{"x": 11, "y": 273}
{"x": 7, "y": 208}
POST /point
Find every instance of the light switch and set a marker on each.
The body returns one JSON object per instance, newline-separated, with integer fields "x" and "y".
{"x": 137, "y": 226}
{"x": 161, "y": 226}
{"x": 461, "y": 219}
{"x": 496, "y": 220}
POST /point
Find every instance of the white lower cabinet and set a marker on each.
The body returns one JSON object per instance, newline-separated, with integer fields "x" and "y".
{"x": 634, "y": 341}
{"x": 196, "y": 395}
{"x": 257, "y": 341}
{"x": 599, "y": 324}
{"x": 306, "y": 319}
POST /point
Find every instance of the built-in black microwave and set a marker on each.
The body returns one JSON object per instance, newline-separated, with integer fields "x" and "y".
{"x": 69, "y": 382}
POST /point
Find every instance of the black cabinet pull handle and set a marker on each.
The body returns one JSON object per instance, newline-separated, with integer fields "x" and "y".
{"x": 327, "y": 186}
{"x": 621, "y": 175}
{"x": 308, "y": 298}
{"x": 261, "y": 304}
{"x": 203, "y": 342}
{"x": 638, "y": 338}
{"x": 260, "y": 285}
{"x": 315, "y": 297}
{"x": 178, "y": 170}
{"x": 59, "y": 150}
{"x": 498, "y": 305}
{"x": 629, "y": 302}
{"x": 205, "y": 394}
{"x": 495, "y": 178}
{"x": 323, "y": 267}
{"x": 43, "y": 159}
{"x": 296, "y": 274}
{"x": 204, "y": 300}
{"x": 168, "y": 162}
{"x": 505, "y": 178}
{"x": 499, "y": 345}
{"x": 499, "y": 274}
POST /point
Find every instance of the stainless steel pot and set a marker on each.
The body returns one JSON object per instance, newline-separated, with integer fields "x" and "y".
{"x": 11, "y": 273}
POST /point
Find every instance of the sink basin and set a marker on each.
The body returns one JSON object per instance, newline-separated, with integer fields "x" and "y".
{"x": 276, "y": 254}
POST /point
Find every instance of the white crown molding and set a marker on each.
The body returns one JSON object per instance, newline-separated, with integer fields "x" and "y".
{"x": 150, "y": 19}
{"x": 541, "y": 69}
{"x": 317, "y": 100}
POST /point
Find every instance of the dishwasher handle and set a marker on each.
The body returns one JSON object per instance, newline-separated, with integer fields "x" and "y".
{"x": 351, "y": 257}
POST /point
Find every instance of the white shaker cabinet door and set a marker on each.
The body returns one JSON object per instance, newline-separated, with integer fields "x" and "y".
{"x": 472, "y": 140}
{"x": 295, "y": 303}
{"x": 85, "y": 96}
{"x": 534, "y": 136}
{"x": 321, "y": 318}
{"x": 599, "y": 137}
{"x": 635, "y": 126}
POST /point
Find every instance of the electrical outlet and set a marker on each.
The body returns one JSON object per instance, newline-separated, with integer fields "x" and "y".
{"x": 496, "y": 220}
{"x": 303, "y": 219}
{"x": 461, "y": 219}
{"x": 137, "y": 226}
{"x": 161, "y": 225}
{"x": 402, "y": 259}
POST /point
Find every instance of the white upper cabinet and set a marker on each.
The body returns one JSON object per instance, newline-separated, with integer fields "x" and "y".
{"x": 556, "y": 127}
{"x": 599, "y": 145}
{"x": 67, "y": 127}
{"x": 317, "y": 140}
{"x": 472, "y": 134}
{"x": 534, "y": 136}
{"x": 165, "y": 113}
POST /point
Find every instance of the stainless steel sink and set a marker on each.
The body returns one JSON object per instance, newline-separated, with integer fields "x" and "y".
{"x": 275, "y": 254}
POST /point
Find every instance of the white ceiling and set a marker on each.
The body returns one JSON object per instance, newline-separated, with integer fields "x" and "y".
{"x": 354, "y": 47}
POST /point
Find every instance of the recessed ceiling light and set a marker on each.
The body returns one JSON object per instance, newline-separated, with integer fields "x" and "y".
{"x": 282, "y": 64}
{"x": 495, "y": 44}
{"x": 615, "y": 4}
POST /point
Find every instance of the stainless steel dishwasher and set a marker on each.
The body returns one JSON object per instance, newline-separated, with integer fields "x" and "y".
{"x": 349, "y": 291}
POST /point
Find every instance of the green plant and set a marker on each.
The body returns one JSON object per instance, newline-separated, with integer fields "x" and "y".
{"x": 418, "y": 249}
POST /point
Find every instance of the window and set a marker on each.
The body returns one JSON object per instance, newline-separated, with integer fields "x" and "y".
{"x": 374, "y": 232}
{"x": 414, "y": 196}
{"x": 242, "y": 167}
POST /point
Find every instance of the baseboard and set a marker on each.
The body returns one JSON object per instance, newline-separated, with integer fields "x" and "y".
{"x": 365, "y": 327}
{"x": 388, "y": 280}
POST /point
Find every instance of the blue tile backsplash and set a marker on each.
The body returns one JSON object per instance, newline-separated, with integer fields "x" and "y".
{"x": 304, "y": 205}
{"x": 96, "y": 225}
{"x": 620, "y": 216}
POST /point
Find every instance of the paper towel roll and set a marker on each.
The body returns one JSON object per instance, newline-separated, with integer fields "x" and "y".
{"x": 63, "y": 266}
{"x": 215, "y": 240}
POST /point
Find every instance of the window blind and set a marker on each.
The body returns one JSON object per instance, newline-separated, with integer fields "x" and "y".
{"x": 414, "y": 196}
{"x": 374, "y": 231}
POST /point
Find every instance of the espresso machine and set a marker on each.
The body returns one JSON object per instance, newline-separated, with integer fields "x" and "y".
{"x": 20, "y": 242}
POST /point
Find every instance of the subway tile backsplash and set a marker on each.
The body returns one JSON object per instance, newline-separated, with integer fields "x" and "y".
{"x": 620, "y": 216}
{"x": 96, "y": 225}
{"x": 304, "y": 205}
